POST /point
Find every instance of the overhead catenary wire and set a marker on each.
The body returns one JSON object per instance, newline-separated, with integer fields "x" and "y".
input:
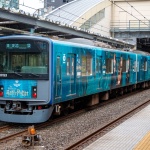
{"x": 128, "y": 12}
{"x": 137, "y": 10}
{"x": 77, "y": 22}
{"x": 81, "y": 17}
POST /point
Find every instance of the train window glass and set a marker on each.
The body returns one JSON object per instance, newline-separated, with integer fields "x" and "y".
{"x": 86, "y": 65}
{"x": 24, "y": 56}
{"x": 114, "y": 63}
{"x": 89, "y": 65}
{"x": 109, "y": 65}
{"x": 142, "y": 66}
{"x": 72, "y": 67}
{"x": 145, "y": 66}
{"x": 124, "y": 66}
{"x": 58, "y": 66}
{"x": 98, "y": 65}
{"x": 83, "y": 65}
{"x": 127, "y": 65}
{"x": 68, "y": 66}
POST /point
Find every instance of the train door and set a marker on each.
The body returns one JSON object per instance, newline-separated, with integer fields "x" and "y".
{"x": 99, "y": 71}
{"x": 131, "y": 65}
{"x": 120, "y": 61}
{"x": 142, "y": 69}
{"x": 145, "y": 68}
{"x": 86, "y": 73}
{"x": 114, "y": 74}
{"x": 128, "y": 65}
{"x": 71, "y": 74}
{"x": 58, "y": 86}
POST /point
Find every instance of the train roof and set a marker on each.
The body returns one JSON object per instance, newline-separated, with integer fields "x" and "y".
{"x": 141, "y": 52}
{"x": 95, "y": 44}
{"x": 24, "y": 36}
{"x": 80, "y": 41}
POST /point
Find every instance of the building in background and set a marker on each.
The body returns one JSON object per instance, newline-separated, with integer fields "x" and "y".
{"x": 34, "y": 6}
{"x": 55, "y": 3}
{"x": 10, "y": 3}
{"x": 31, "y": 6}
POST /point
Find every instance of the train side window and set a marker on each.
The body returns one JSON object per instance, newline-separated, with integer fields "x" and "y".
{"x": 58, "y": 65}
{"x": 72, "y": 70}
{"x": 89, "y": 65}
{"x": 145, "y": 66}
{"x": 109, "y": 65}
{"x": 68, "y": 66}
{"x": 86, "y": 65}
{"x": 98, "y": 65}
{"x": 125, "y": 66}
{"x": 128, "y": 65}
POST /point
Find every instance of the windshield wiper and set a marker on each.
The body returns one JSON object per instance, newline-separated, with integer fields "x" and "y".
{"x": 18, "y": 74}
{"x": 34, "y": 74}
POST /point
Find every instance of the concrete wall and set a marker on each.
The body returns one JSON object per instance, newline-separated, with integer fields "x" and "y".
{"x": 139, "y": 10}
{"x": 130, "y": 27}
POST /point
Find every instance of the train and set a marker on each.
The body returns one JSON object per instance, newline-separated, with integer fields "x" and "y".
{"x": 41, "y": 77}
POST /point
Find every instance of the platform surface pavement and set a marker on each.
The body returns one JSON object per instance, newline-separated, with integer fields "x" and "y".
{"x": 128, "y": 135}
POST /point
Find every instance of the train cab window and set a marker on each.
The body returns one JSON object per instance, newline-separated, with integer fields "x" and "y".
{"x": 109, "y": 65}
{"x": 86, "y": 65}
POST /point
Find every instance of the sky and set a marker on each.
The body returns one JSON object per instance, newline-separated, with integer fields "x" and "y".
{"x": 31, "y": 5}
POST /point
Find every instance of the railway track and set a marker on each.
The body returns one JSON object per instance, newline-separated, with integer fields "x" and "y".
{"x": 95, "y": 135}
{"x": 37, "y": 127}
{"x": 49, "y": 123}
{"x": 6, "y": 127}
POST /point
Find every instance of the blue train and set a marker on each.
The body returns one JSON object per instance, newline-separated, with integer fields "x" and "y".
{"x": 40, "y": 77}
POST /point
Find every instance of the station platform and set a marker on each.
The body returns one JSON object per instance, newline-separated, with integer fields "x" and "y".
{"x": 133, "y": 134}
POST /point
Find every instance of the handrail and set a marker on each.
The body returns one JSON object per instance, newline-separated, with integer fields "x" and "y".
{"x": 130, "y": 25}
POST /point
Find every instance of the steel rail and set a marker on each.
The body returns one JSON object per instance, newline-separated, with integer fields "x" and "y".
{"x": 95, "y": 134}
{"x": 6, "y": 127}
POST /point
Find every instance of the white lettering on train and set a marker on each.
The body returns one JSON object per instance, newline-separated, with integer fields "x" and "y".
{"x": 17, "y": 93}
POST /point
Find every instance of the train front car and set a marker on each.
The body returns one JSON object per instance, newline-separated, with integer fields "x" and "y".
{"x": 24, "y": 79}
